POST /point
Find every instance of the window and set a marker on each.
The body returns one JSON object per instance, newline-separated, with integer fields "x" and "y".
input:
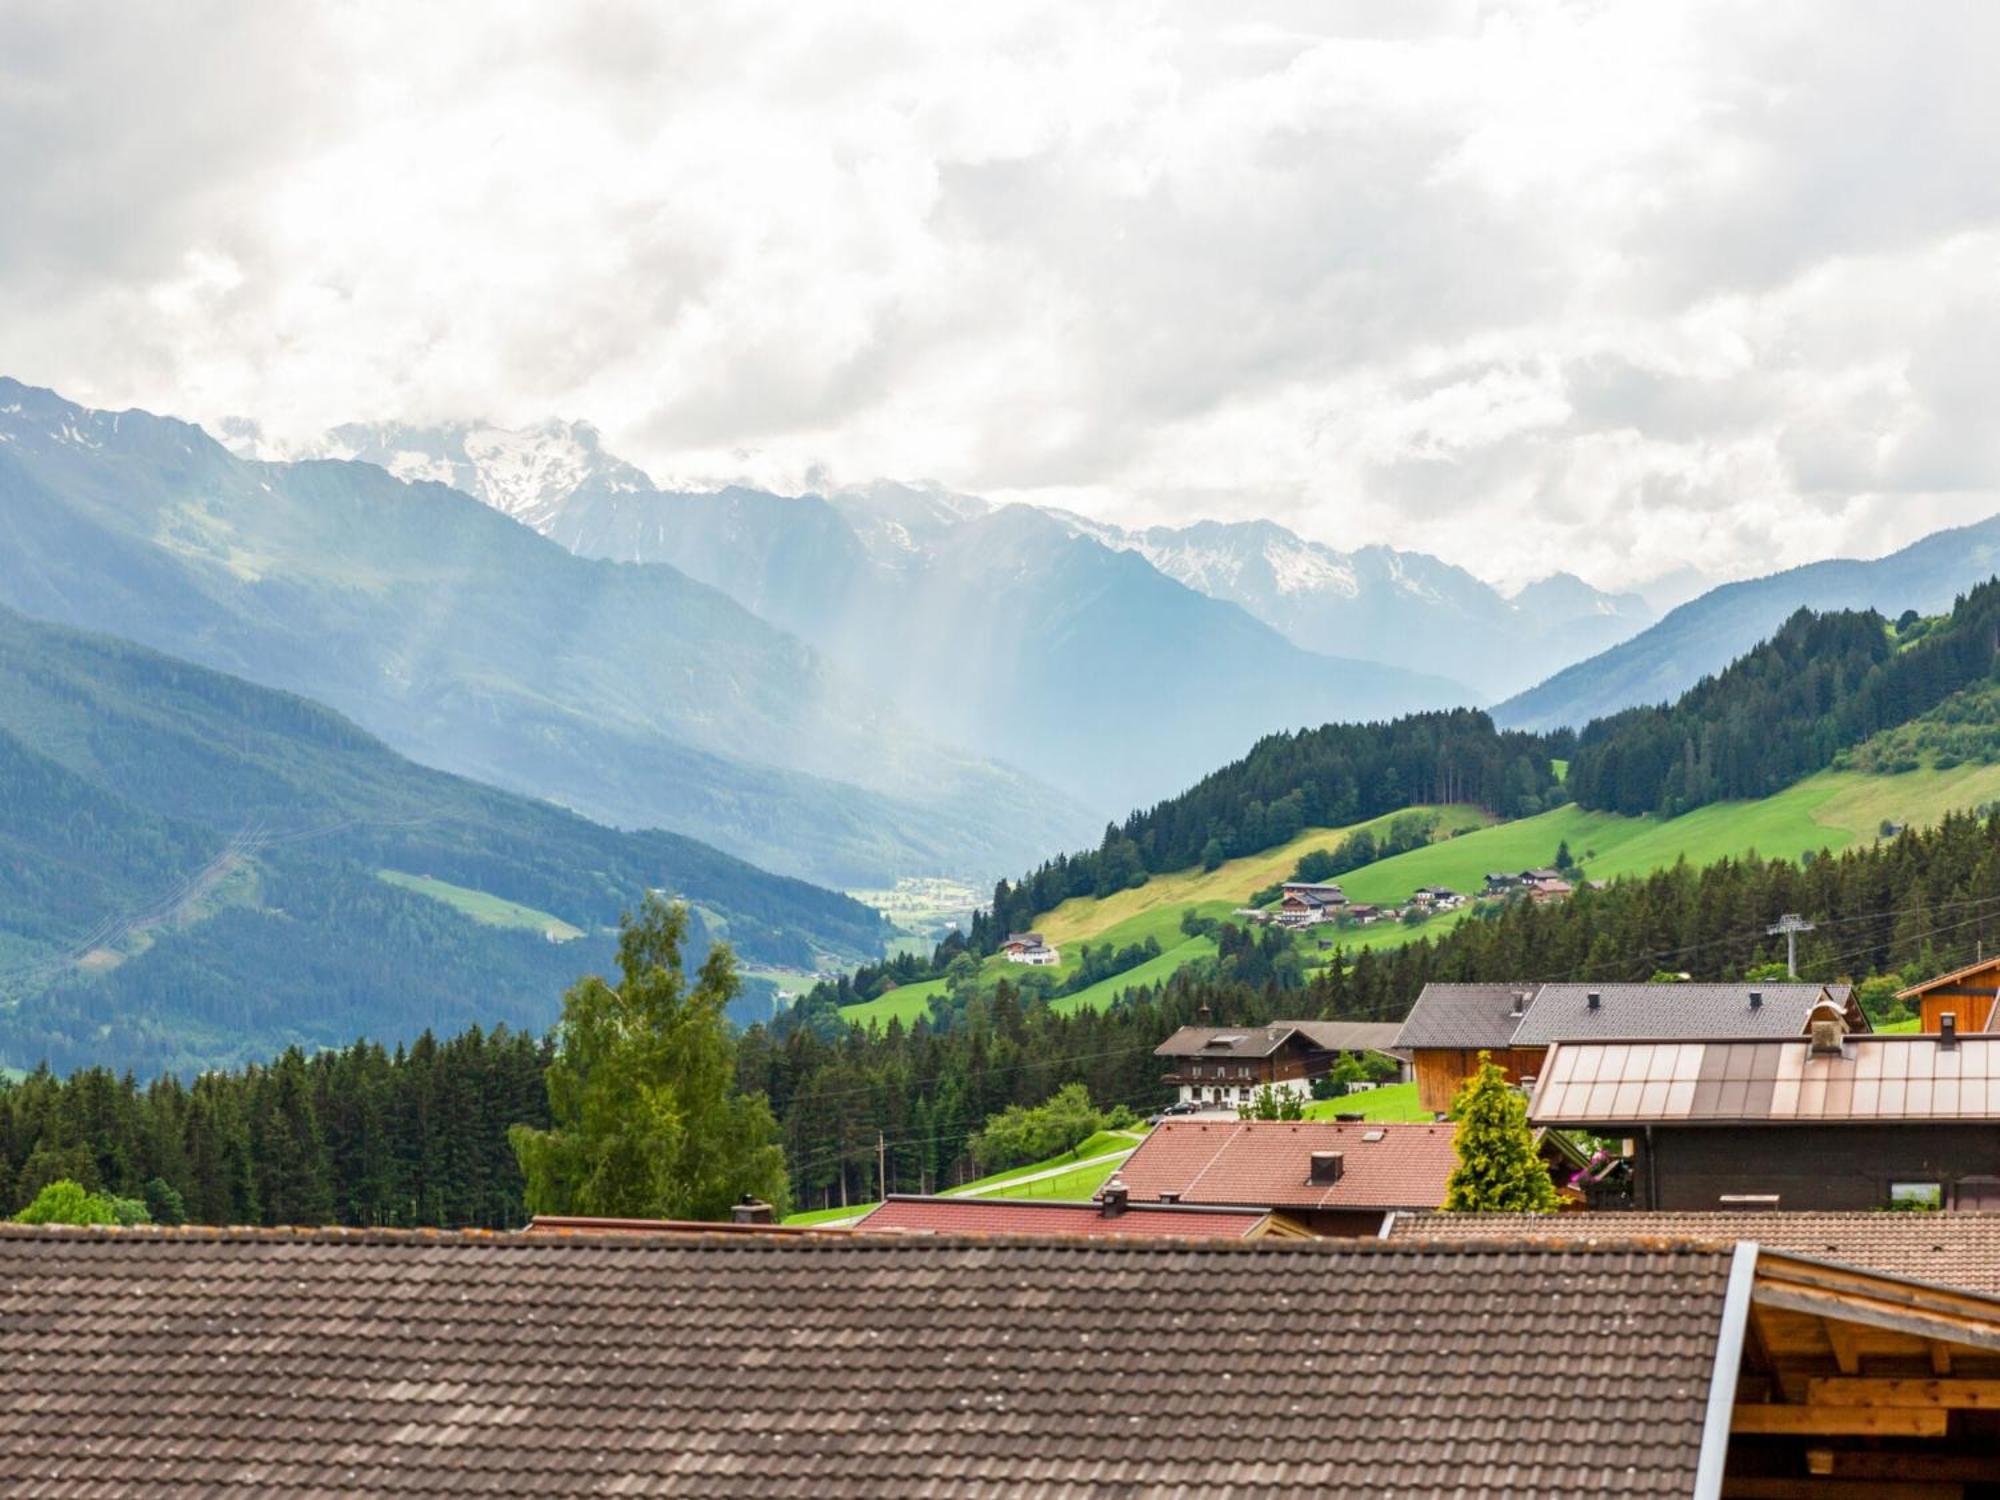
{"x": 1916, "y": 1195}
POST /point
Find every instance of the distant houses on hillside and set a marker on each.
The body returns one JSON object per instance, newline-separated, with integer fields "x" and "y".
{"x": 1536, "y": 885}
{"x": 1028, "y": 948}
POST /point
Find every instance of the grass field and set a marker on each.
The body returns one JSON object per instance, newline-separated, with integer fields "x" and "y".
{"x": 828, "y": 1215}
{"x": 1074, "y": 1186}
{"x": 492, "y": 911}
{"x": 1392, "y": 1102}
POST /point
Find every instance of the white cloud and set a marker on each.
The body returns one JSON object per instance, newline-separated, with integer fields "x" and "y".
{"x": 1605, "y": 286}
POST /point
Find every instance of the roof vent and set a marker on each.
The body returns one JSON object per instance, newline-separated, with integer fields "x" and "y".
{"x": 1116, "y": 1197}
{"x": 752, "y": 1211}
{"x": 1948, "y": 1031}
{"x": 1741, "y": 1201}
{"x": 1826, "y": 1035}
{"x": 1594, "y": 1000}
{"x": 1170, "y": 1195}
{"x": 1326, "y": 1166}
{"x": 1518, "y": 1007}
{"x": 1756, "y": 999}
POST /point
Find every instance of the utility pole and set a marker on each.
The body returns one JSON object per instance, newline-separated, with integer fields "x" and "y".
{"x": 882, "y": 1166}
{"x": 1791, "y": 924}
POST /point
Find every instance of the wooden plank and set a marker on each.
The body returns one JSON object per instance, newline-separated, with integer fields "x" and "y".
{"x": 1977, "y": 1331}
{"x": 1968, "y": 1395}
{"x": 1846, "y": 1342}
{"x": 1748, "y": 1488}
{"x": 1841, "y": 1421}
{"x": 1849, "y": 1463}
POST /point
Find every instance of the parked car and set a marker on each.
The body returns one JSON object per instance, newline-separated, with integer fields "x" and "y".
{"x": 1180, "y": 1107}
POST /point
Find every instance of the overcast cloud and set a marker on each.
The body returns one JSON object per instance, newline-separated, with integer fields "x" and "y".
{"x": 1608, "y": 287}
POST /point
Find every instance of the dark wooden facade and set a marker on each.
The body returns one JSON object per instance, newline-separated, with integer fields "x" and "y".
{"x": 1821, "y": 1166}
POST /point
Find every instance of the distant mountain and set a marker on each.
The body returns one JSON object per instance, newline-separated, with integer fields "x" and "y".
{"x": 1000, "y": 628}
{"x": 1404, "y": 608}
{"x": 195, "y": 870}
{"x": 1704, "y": 635}
{"x": 634, "y": 694}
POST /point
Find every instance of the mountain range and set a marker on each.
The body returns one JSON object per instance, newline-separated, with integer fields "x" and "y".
{"x": 1703, "y": 636}
{"x": 1115, "y": 665}
{"x": 634, "y": 694}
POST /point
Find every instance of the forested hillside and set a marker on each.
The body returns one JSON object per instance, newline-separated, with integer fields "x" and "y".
{"x": 191, "y": 872}
{"x": 1326, "y": 777}
{"x": 1786, "y": 709}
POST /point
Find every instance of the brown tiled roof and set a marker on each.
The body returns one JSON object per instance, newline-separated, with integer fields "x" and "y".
{"x": 239, "y": 1363}
{"x": 1262, "y": 1041}
{"x": 1266, "y": 1163}
{"x": 1024, "y": 1216}
{"x": 1953, "y": 1249}
{"x": 1898, "y": 1077}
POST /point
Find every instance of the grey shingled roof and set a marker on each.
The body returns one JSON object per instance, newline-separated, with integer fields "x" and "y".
{"x": 1951, "y": 1249}
{"x": 1670, "y": 1012}
{"x": 166, "y": 1364}
{"x": 1464, "y": 1015}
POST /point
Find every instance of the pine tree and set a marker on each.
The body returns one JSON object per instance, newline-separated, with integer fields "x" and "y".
{"x": 647, "y": 1121}
{"x": 1498, "y": 1170}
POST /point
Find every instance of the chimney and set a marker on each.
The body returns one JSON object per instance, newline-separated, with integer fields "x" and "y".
{"x": 1519, "y": 1007}
{"x": 752, "y": 1211}
{"x": 1756, "y": 999}
{"x": 1826, "y": 1035}
{"x": 1948, "y": 1031}
{"x": 1170, "y": 1195}
{"x": 1203, "y": 1016}
{"x": 1115, "y": 1197}
{"x": 1326, "y": 1167}
{"x": 1594, "y": 1000}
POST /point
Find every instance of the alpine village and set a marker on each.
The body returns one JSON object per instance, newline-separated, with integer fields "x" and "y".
{"x": 1076, "y": 752}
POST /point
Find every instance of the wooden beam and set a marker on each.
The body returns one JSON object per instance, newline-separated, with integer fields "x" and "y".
{"x": 1979, "y": 1330}
{"x": 1748, "y": 1488}
{"x": 1940, "y": 1358}
{"x": 1840, "y": 1421}
{"x": 1962, "y": 1395}
{"x": 1851, "y": 1463}
{"x": 1846, "y": 1346}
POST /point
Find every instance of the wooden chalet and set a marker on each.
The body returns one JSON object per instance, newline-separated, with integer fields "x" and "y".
{"x": 1829, "y": 1121}
{"x": 1451, "y": 1024}
{"x": 1968, "y": 995}
{"x": 1225, "y": 1066}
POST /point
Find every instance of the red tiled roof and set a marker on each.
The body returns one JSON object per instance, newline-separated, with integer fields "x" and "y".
{"x": 1004, "y": 1216}
{"x": 1267, "y": 1163}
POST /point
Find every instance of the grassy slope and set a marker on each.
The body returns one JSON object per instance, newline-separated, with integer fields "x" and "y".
{"x": 1832, "y": 810}
{"x": 481, "y": 906}
{"x": 1395, "y": 1101}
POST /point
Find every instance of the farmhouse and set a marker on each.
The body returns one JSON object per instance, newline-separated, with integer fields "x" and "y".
{"x": 1826, "y": 1121}
{"x": 1028, "y": 948}
{"x": 1229, "y": 1065}
{"x": 379, "y": 1362}
{"x": 1113, "y": 1216}
{"x": 1334, "y": 1178}
{"x": 1451, "y": 1024}
{"x": 1304, "y": 904}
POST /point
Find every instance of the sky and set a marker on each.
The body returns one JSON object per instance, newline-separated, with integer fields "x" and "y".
{"x": 1622, "y": 289}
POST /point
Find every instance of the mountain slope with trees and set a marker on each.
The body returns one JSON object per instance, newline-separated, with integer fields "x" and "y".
{"x": 1703, "y": 636}
{"x": 1821, "y": 684}
{"x": 190, "y": 873}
